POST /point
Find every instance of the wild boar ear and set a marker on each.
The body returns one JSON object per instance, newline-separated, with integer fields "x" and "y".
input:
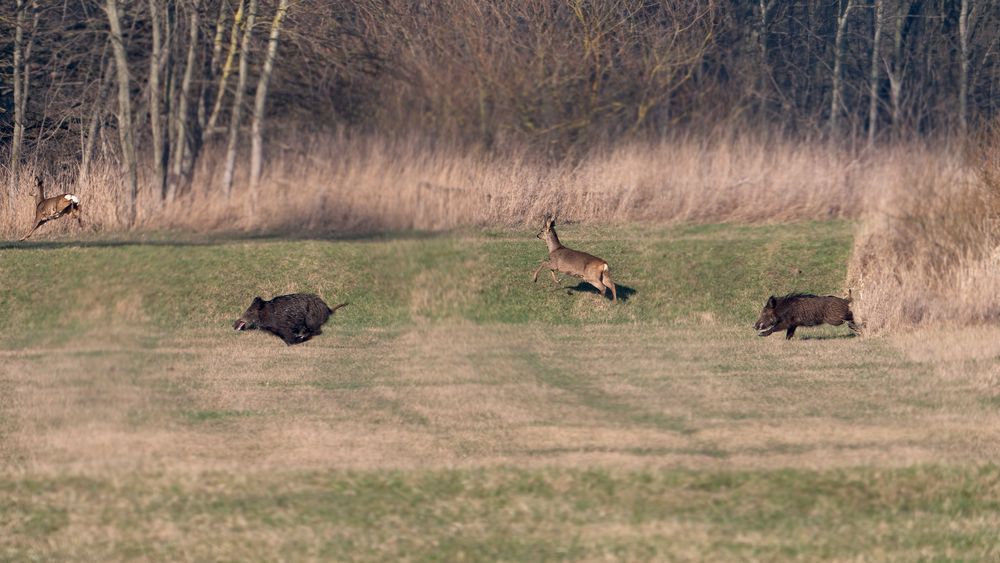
{"x": 257, "y": 300}
{"x": 771, "y": 302}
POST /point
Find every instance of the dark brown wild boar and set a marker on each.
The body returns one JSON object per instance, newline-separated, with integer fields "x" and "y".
{"x": 295, "y": 318}
{"x": 799, "y": 309}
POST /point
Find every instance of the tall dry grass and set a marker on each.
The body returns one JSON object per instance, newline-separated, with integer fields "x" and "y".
{"x": 342, "y": 184}
{"x": 928, "y": 251}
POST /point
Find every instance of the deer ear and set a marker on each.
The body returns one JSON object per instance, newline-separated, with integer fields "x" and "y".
{"x": 771, "y": 302}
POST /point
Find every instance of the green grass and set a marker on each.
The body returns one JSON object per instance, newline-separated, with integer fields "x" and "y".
{"x": 667, "y": 275}
{"x": 513, "y": 514}
{"x": 457, "y": 411}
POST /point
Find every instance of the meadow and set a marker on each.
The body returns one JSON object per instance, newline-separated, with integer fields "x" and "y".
{"x": 456, "y": 410}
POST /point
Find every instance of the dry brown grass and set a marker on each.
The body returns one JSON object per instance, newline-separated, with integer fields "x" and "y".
{"x": 929, "y": 247}
{"x": 460, "y": 395}
{"x": 366, "y": 184}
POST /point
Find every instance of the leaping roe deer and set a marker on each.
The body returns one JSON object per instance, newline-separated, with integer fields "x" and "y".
{"x": 592, "y": 269}
{"x": 49, "y": 208}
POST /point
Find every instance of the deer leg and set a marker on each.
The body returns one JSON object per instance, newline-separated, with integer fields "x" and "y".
{"x": 600, "y": 286}
{"x": 534, "y": 276}
{"x": 77, "y": 215}
{"x": 554, "y": 279}
{"x": 606, "y": 280}
{"x": 28, "y": 234}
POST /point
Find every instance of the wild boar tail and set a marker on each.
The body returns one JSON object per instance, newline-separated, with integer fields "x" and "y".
{"x": 335, "y": 307}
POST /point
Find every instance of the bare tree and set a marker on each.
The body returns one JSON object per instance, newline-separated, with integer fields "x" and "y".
{"x": 96, "y": 118}
{"x": 836, "y": 99}
{"x": 966, "y": 23}
{"x": 125, "y": 133}
{"x": 22, "y": 79}
{"x": 181, "y": 121}
{"x": 155, "y": 95}
{"x": 895, "y": 69}
{"x": 227, "y": 68}
{"x": 761, "y": 30}
{"x": 873, "y": 76}
{"x": 213, "y": 68}
{"x": 237, "y": 109}
{"x": 260, "y": 98}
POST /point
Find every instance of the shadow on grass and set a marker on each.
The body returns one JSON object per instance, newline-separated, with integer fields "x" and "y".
{"x": 827, "y": 336}
{"x": 624, "y": 292}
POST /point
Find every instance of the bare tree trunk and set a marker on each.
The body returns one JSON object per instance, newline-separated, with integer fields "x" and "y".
{"x": 895, "y": 80}
{"x": 170, "y": 94}
{"x": 125, "y": 134}
{"x": 838, "y": 55}
{"x": 22, "y": 87}
{"x": 260, "y": 98}
{"x": 155, "y": 96}
{"x": 764, "y": 67}
{"x": 95, "y": 120}
{"x": 241, "y": 83}
{"x": 20, "y": 95}
{"x": 182, "y": 110}
{"x": 227, "y": 69}
{"x": 963, "y": 77}
{"x": 873, "y": 77}
{"x": 214, "y": 65}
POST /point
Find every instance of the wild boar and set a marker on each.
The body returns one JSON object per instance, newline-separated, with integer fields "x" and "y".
{"x": 800, "y": 309}
{"x": 295, "y": 318}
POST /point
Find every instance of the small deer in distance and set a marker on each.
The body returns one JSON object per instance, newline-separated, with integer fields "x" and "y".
{"x": 592, "y": 269}
{"x": 49, "y": 208}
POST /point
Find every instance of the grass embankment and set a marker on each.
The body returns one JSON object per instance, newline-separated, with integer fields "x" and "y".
{"x": 456, "y": 409}
{"x": 669, "y": 276}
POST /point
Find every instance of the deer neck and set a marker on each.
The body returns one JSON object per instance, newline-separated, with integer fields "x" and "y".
{"x": 552, "y": 241}
{"x": 39, "y": 195}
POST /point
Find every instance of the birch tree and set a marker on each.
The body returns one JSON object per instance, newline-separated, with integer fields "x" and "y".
{"x": 125, "y": 134}
{"x": 237, "y": 109}
{"x": 227, "y": 68}
{"x": 260, "y": 98}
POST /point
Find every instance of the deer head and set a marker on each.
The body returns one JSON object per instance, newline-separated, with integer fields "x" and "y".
{"x": 39, "y": 189}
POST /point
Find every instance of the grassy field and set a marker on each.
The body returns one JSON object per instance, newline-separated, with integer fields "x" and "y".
{"x": 456, "y": 410}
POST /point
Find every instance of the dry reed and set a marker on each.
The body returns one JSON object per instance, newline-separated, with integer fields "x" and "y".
{"x": 929, "y": 247}
{"x": 336, "y": 183}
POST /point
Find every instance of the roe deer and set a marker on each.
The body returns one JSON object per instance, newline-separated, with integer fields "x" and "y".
{"x": 592, "y": 269}
{"x": 49, "y": 208}
{"x": 294, "y": 318}
{"x": 801, "y": 309}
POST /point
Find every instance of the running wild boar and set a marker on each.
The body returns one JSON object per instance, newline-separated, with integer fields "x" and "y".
{"x": 799, "y": 309}
{"x": 295, "y": 318}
